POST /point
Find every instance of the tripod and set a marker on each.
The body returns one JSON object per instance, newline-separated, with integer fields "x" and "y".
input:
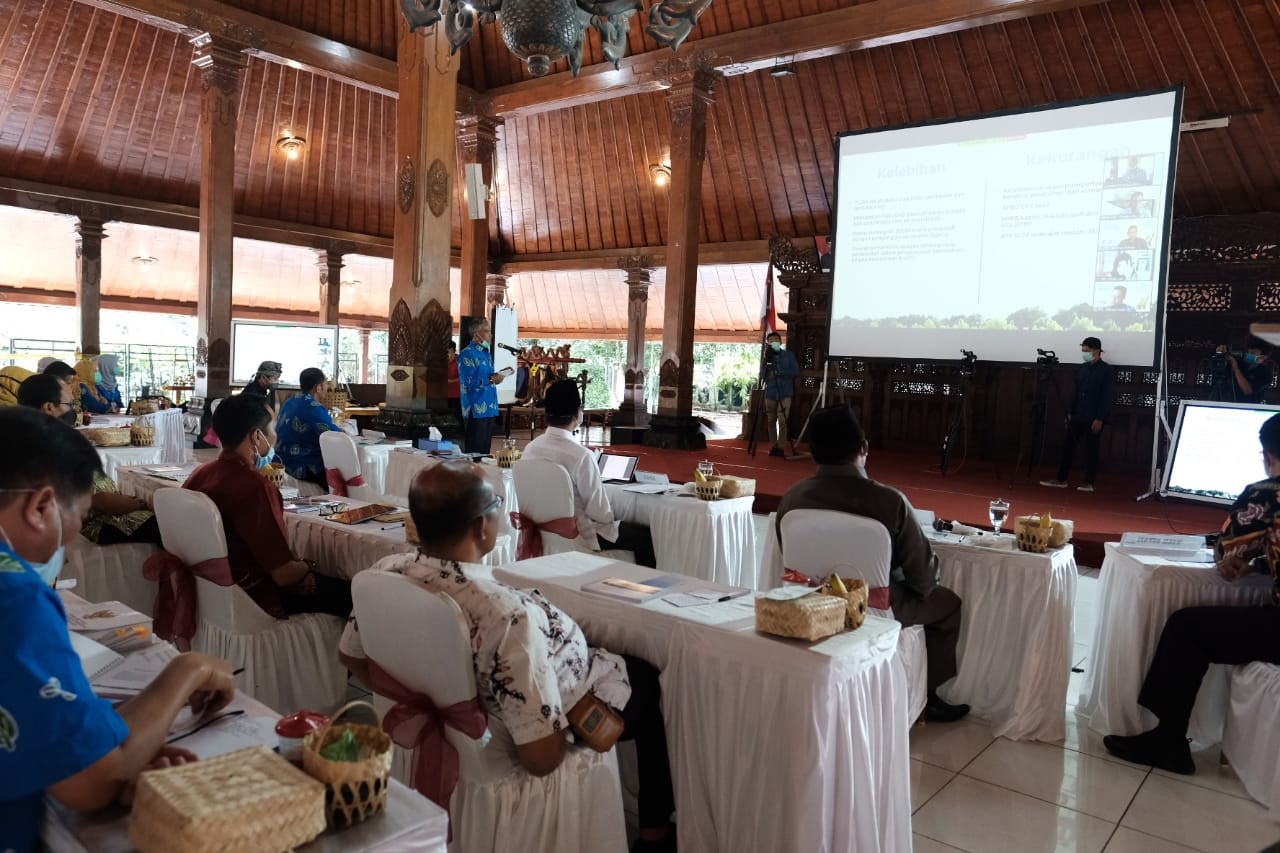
{"x": 959, "y": 422}
{"x": 1045, "y": 380}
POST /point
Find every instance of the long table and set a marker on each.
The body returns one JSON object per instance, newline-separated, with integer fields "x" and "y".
{"x": 775, "y": 744}
{"x": 171, "y": 437}
{"x": 1137, "y": 595}
{"x": 410, "y": 821}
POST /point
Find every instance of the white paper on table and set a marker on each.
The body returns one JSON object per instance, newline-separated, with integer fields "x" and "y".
{"x": 787, "y": 593}
{"x": 229, "y": 734}
{"x": 129, "y": 675}
{"x": 649, "y": 488}
{"x": 720, "y": 613}
{"x": 709, "y": 594}
{"x": 102, "y": 616}
{"x": 681, "y": 599}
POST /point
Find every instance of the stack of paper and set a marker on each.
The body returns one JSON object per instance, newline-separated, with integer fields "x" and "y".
{"x": 116, "y": 626}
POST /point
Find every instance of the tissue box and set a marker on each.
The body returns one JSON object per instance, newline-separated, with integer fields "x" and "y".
{"x": 443, "y": 445}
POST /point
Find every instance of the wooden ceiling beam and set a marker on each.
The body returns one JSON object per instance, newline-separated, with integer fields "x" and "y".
{"x": 111, "y": 208}
{"x": 871, "y": 24}
{"x": 744, "y": 252}
{"x": 262, "y": 37}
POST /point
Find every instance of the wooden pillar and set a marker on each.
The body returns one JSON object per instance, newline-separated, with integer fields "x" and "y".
{"x": 495, "y": 291}
{"x": 330, "y": 264}
{"x": 477, "y": 139}
{"x": 634, "y": 410}
{"x": 89, "y": 237}
{"x": 420, "y": 324}
{"x": 692, "y": 79}
{"x": 220, "y": 63}
{"x": 364, "y": 357}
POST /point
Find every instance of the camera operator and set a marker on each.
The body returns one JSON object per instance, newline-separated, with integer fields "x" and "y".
{"x": 1250, "y": 374}
{"x": 780, "y": 372}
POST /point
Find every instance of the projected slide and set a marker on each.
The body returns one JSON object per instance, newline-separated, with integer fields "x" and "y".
{"x": 1215, "y": 451}
{"x": 296, "y": 346}
{"x": 1004, "y": 234}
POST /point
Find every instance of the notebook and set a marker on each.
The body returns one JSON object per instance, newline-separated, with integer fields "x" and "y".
{"x": 617, "y": 468}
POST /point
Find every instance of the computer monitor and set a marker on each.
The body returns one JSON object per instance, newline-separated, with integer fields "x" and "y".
{"x": 617, "y": 468}
{"x": 1215, "y": 452}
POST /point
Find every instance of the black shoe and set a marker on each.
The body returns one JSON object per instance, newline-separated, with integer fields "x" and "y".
{"x": 1155, "y": 748}
{"x": 937, "y": 711}
{"x": 665, "y": 845}
{"x": 777, "y": 451}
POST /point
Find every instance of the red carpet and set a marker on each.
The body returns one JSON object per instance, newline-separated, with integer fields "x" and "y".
{"x": 963, "y": 494}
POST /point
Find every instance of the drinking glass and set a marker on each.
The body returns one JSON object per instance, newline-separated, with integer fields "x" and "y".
{"x": 509, "y": 443}
{"x": 706, "y": 468}
{"x": 998, "y": 510}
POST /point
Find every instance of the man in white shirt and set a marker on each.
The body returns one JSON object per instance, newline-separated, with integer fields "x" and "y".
{"x": 532, "y": 662}
{"x": 597, "y": 528}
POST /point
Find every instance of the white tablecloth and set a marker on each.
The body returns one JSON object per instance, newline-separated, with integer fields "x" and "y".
{"x": 1137, "y": 595}
{"x": 712, "y": 540}
{"x": 1016, "y": 636}
{"x": 1251, "y": 739}
{"x": 114, "y": 458}
{"x": 404, "y": 464}
{"x": 374, "y": 460}
{"x": 775, "y": 745}
{"x": 410, "y": 821}
{"x": 171, "y": 438}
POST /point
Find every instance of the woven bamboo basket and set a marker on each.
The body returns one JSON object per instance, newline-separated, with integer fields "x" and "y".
{"x": 249, "y": 800}
{"x": 334, "y": 399}
{"x": 355, "y": 790}
{"x": 143, "y": 407}
{"x": 107, "y": 436}
{"x": 1030, "y": 535}
{"x": 1061, "y": 530}
{"x": 736, "y": 487}
{"x": 709, "y": 489}
{"x": 274, "y": 475}
{"x": 855, "y": 598}
{"x": 506, "y": 457}
{"x": 809, "y": 618}
{"x": 142, "y": 435}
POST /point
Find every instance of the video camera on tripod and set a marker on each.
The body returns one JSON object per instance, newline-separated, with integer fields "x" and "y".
{"x": 969, "y": 363}
{"x": 1046, "y": 357}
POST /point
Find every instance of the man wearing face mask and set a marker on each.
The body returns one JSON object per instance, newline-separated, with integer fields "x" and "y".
{"x": 50, "y": 395}
{"x": 57, "y": 738}
{"x": 1196, "y": 637}
{"x": 780, "y": 372}
{"x": 264, "y": 382}
{"x": 253, "y": 517}
{"x": 1251, "y": 373}
{"x": 1090, "y": 407}
{"x": 479, "y": 396}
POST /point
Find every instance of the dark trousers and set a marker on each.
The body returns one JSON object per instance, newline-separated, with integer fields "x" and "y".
{"x": 643, "y": 723}
{"x": 332, "y": 595}
{"x": 479, "y": 435}
{"x": 1195, "y": 637}
{"x": 939, "y": 613}
{"x": 149, "y": 532}
{"x": 1092, "y": 445}
{"x": 636, "y": 538}
{"x": 306, "y": 476}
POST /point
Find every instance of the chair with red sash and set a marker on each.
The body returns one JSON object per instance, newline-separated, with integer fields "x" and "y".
{"x": 546, "y": 518}
{"x": 817, "y": 542}
{"x": 342, "y": 468}
{"x": 418, "y": 645}
{"x": 289, "y": 664}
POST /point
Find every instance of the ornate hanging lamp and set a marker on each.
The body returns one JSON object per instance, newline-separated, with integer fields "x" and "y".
{"x": 543, "y": 31}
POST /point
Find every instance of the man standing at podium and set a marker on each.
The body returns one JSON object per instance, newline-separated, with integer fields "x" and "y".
{"x": 479, "y": 396}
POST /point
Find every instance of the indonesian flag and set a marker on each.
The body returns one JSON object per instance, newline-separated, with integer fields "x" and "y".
{"x": 768, "y": 316}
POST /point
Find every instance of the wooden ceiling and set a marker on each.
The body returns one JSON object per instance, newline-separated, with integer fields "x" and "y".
{"x": 95, "y": 101}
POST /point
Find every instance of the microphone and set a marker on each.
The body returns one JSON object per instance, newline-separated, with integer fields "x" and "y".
{"x": 513, "y": 350}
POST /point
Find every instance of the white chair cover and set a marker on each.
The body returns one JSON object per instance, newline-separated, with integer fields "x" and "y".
{"x": 1251, "y": 735}
{"x": 289, "y": 664}
{"x": 112, "y": 573}
{"x": 421, "y": 639}
{"x": 338, "y": 450}
{"x": 821, "y": 541}
{"x": 545, "y": 493}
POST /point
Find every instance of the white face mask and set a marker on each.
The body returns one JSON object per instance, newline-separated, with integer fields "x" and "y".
{"x": 52, "y": 567}
{"x": 1086, "y": 356}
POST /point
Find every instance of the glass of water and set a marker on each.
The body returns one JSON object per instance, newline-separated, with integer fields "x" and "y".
{"x": 998, "y": 511}
{"x": 706, "y": 468}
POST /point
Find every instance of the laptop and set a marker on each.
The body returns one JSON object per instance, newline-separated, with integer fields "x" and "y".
{"x": 617, "y": 468}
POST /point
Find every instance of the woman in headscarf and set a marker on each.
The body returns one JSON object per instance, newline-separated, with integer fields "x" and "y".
{"x": 108, "y": 387}
{"x": 87, "y": 376}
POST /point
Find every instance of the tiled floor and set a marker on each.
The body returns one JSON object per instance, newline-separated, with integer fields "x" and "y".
{"x": 975, "y": 792}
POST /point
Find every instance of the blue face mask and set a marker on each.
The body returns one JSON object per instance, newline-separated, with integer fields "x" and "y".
{"x": 52, "y": 567}
{"x": 775, "y": 346}
{"x": 1086, "y": 357}
{"x": 1250, "y": 358}
{"x": 260, "y": 461}
{"x": 484, "y": 345}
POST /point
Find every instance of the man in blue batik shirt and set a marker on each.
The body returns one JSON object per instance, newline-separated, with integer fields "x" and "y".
{"x": 479, "y": 397}
{"x": 56, "y": 737}
{"x": 302, "y": 421}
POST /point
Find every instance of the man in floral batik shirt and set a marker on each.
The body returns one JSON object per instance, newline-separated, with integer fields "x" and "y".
{"x": 532, "y": 663}
{"x": 1196, "y": 637}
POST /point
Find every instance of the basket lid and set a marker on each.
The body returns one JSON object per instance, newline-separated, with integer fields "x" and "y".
{"x": 301, "y": 724}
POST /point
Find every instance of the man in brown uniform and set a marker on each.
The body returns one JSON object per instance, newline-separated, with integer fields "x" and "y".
{"x": 840, "y": 449}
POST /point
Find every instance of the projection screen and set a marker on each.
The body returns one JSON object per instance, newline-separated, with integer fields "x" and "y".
{"x": 1006, "y": 233}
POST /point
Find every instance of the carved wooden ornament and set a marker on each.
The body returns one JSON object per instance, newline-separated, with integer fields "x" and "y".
{"x": 404, "y": 185}
{"x": 437, "y": 188}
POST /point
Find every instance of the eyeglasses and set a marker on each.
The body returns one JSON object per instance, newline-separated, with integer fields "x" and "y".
{"x": 495, "y": 504}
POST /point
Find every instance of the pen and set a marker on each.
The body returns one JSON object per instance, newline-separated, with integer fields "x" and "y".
{"x": 206, "y": 723}
{"x": 725, "y": 598}
{"x": 238, "y": 671}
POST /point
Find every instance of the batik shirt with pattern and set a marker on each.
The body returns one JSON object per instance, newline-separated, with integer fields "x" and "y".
{"x": 531, "y": 661}
{"x": 1252, "y": 529}
{"x": 479, "y": 396}
{"x": 302, "y": 421}
{"x": 51, "y": 725}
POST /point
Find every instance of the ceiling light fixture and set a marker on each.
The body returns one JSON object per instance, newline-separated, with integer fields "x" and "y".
{"x": 661, "y": 174}
{"x": 144, "y": 261}
{"x": 291, "y": 145}
{"x": 782, "y": 69}
{"x": 544, "y": 31}
{"x": 350, "y": 282}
